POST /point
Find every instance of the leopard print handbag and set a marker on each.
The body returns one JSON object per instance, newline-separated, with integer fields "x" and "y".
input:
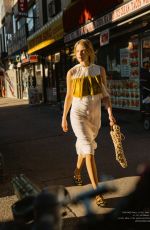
{"x": 117, "y": 138}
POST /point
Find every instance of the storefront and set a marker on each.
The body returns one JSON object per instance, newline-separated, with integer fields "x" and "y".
{"x": 48, "y": 44}
{"x": 121, "y": 39}
{"x": 124, "y": 57}
{"x": 124, "y": 67}
{"x": 30, "y": 78}
{"x": 8, "y": 85}
{"x": 55, "y": 78}
{"x": 17, "y": 45}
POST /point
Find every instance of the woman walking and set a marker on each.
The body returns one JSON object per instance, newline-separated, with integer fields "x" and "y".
{"x": 86, "y": 87}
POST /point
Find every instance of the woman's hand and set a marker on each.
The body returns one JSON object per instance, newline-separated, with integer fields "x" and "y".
{"x": 64, "y": 125}
{"x": 112, "y": 120}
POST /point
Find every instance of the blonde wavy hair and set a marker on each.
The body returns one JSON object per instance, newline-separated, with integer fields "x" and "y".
{"x": 89, "y": 47}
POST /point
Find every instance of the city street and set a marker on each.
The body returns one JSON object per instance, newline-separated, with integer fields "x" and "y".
{"x": 32, "y": 143}
{"x": 102, "y": 49}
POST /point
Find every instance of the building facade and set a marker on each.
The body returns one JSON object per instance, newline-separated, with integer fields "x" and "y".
{"x": 48, "y": 43}
{"x": 34, "y": 42}
{"x": 5, "y": 8}
{"x": 39, "y": 46}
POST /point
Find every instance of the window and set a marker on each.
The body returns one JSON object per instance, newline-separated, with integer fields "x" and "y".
{"x": 14, "y": 23}
{"x": 51, "y": 9}
{"x": 20, "y": 23}
{"x": 54, "y": 7}
{"x": 31, "y": 20}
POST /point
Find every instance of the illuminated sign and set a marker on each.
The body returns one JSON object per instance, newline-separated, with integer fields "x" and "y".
{"x": 33, "y": 58}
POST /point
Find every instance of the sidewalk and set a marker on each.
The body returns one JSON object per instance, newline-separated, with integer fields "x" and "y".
{"x": 5, "y": 102}
{"x": 33, "y": 143}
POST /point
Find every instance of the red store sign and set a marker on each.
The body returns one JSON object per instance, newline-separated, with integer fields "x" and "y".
{"x": 33, "y": 58}
{"x": 104, "y": 38}
{"x": 22, "y": 6}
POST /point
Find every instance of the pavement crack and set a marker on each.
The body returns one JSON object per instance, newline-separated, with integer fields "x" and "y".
{"x": 70, "y": 210}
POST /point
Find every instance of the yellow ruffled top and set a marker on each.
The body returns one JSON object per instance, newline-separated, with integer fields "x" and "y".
{"x": 87, "y": 85}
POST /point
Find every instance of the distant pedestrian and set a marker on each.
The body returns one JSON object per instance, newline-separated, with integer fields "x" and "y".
{"x": 86, "y": 88}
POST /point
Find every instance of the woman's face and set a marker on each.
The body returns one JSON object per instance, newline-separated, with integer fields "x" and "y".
{"x": 82, "y": 53}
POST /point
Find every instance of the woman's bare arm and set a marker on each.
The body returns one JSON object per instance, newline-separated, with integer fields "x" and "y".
{"x": 68, "y": 102}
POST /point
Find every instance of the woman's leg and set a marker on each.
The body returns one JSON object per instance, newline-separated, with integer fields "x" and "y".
{"x": 95, "y": 169}
{"x": 92, "y": 171}
{"x": 77, "y": 173}
{"x": 80, "y": 162}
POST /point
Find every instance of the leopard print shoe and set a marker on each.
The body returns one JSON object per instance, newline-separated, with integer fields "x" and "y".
{"x": 100, "y": 201}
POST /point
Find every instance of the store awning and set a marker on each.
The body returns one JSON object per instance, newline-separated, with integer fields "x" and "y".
{"x": 47, "y": 35}
{"x": 79, "y": 12}
{"x": 119, "y": 14}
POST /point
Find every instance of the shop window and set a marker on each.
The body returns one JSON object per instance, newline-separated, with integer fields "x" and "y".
{"x": 38, "y": 67}
{"x": 122, "y": 62}
{"x": 57, "y": 57}
{"x": 51, "y": 76}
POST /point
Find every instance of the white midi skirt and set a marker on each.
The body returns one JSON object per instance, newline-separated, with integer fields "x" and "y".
{"x": 85, "y": 116}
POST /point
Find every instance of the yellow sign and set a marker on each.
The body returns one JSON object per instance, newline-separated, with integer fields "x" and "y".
{"x": 49, "y": 34}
